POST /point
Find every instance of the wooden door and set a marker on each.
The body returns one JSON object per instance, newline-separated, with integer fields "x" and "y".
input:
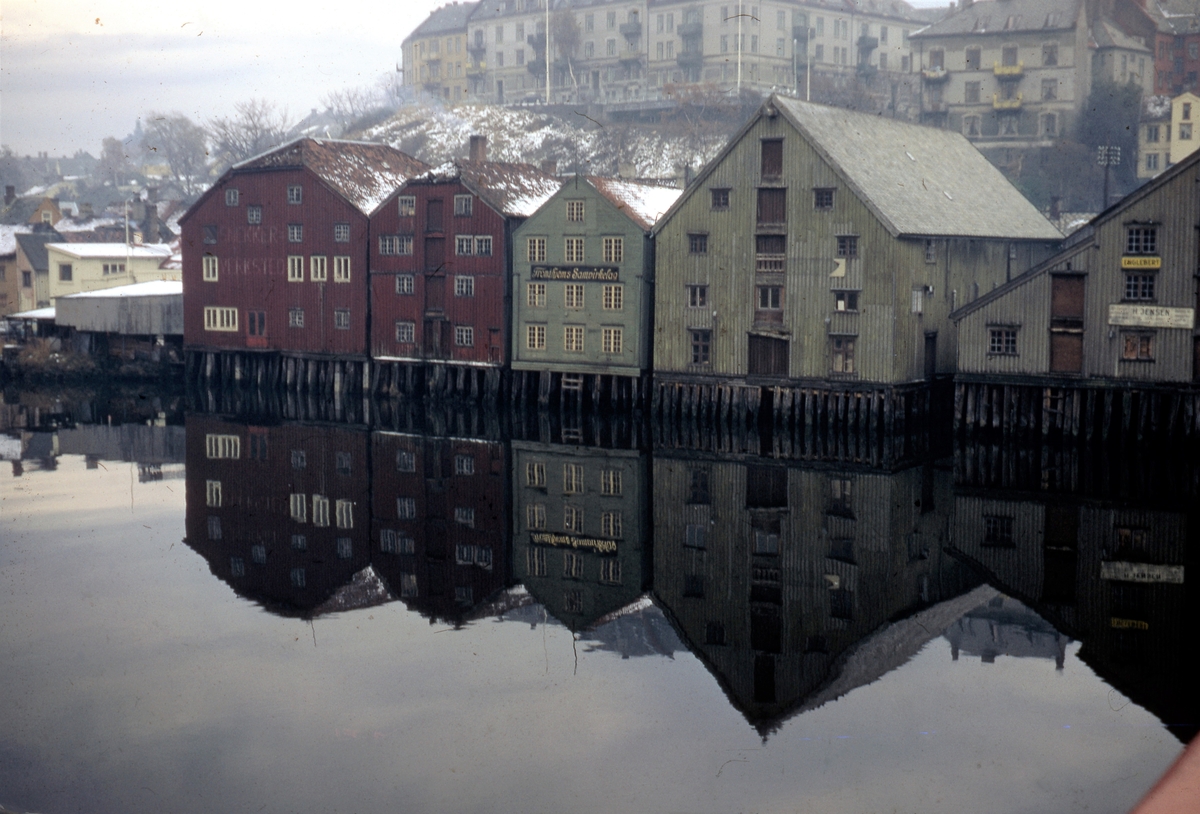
{"x": 435, "y": 253}
{"x": 1066, "y": 323}
{"x": 433, "y": 338}
{"x": 435, "y": 292}
{"x": 768, "y": 356}
{"x": 1066, "y": 297}
{"x": 433, "y": 215}
{"x": 1066, "y": 351}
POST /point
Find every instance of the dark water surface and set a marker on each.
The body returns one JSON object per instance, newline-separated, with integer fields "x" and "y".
{"x": 200, "y": 613}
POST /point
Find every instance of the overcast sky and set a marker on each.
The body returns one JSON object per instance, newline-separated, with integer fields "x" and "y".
{"x": 75, "y": 71}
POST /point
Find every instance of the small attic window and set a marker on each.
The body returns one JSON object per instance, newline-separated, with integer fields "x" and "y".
{"x": 231, "y": 197}
{"x": 295, "y": 194}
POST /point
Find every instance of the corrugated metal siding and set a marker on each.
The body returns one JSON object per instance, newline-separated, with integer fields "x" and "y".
{"x": 252, "y": 270}
{"x": 137, "y": 316}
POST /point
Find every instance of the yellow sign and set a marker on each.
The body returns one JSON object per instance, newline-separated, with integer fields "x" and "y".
{"x": 567, "y": 541}
{"x": 1129, "y": 624}
{"x": 1141, "y": 262}
{"x": 1151, "y": 316}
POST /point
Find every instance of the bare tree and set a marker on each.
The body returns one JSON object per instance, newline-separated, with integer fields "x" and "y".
{"x": 390, "y": 88}
{"x": 114, "y": 161}
{"x": 565, "y": 34}
{"x": 182, "y": 143}
{"x": 256, "y": 126}
{"x": 351, "y": 104}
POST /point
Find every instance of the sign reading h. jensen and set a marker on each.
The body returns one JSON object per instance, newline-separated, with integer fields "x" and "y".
{"x": 576, "y": 274}
{"x": 1151, "y": 316}
{"x": 1141, "y": 262}
{"x": 567, "y": 541}
{"x": 1141, "y": 572}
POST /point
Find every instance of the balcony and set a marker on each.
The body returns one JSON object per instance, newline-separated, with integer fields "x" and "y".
{"x": 434, "y": 59}
{"x": 938, "y": 74}
{"x": 868, "y": 43}
{"x": 690, "y": 59}
{"x": 476, "y": 48}
{"x": 999, "y": 103}
{"x": 770, "y": 263}
{"x": 538, "y": 41}
{"x": 1008, "y": 71}
{"x": 931, "y": 106}
{"x": 687, "y": 30}
{"x": 866, "y": 70}
{"x": 630, "y": 55}
{"x": 476, "y": 68}
{"x": 631, "y": 30}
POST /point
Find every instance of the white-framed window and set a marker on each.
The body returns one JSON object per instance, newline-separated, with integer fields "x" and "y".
{"x": 344, "y": 514}
{"x": 573, "y": 295}
{"x": 406, "y": 508}
{"x": 295, "y": 317}
{"x": 535, "y": 295}
{"x": 295, "y": 233}
{"x": 535, "y": 337}
{"x": 614, "y": 297}
{"x": 464, "y": 516}
{"x": 217, "y": 318}
{"x": 222, "y": 446}
{"x": 341, "y": 268}
{"x": 573, "y": 249}
{"x": 318, "y": 268}
{"x": 611, "y": 340}
{"x": 320, "y": 510}
{"x": 405, "y": 284}
{"x": 295, "y": 194}
{"x": 575, "y": 211}
{"x": 535, "y": 516}
{"x": 535, "y": 559}
{"x": 573, "y": 338}
{"x": 536, "y": 248}
{"x": 212, "y": 494}
{"x": 210, "y": 268}
{"x": 1002, "y": 341}
{"x": 298, "y": 507}
{"x": 295, "y": 266}
{"x": 231, "y": 197}
{"x": 464, "y": 286}
{"x": 483, "y": 245}
{"x": 464, "y": 336}
{"x": 406, "y": 205}
{"x": 614, "y": 249}
{"x": 406, "y": 332}
{"x": 396, "y": 245}
{"x": 610, "y": 482}
{"x": 572, "y": 479}
{"x": 254, "y": 215}
{"x": 463, "y": 205}
{"x": 535, "y": 474}
{"x": 573, "y": 521}
{"x": 341, "y": 319}
{"x": 341, "y": 233}
{"x": 464, "y": 465}
{"x": 697, "y": 296}
{"x": 610, "y": 571}
{"x": 464, "y": 245}
{"x": 610, "y": 524}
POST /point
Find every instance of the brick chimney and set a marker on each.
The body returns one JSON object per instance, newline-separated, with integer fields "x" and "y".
{"x": 10, "y": 195}
{"x": 478, "y": 148}
{"x": 550, "y": 166}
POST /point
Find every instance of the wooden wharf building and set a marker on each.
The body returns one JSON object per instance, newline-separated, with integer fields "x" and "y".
{"x": 811, "y": 268}
{"x": 1099, "y": 339}
{"x": 441, "y": 263}
{"x": 582, "y": 292}
{"x": 275, "y": 265}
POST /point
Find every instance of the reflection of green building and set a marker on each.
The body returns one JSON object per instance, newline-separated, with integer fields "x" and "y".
{"x": 580, "y": 525}
{"x": 771, "y": 573}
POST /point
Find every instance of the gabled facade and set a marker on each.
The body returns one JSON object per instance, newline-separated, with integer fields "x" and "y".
{"x": 1184, "y": 137}
{"x": 1154, "y": 136}
{"x": 33, "y": 268}
{"x": 441, "y": 259}
{"x": 583, "y": 279}
{"x": 824, "y": 245}
{"x": 275, "y": 254}
{"x": 76, "y": 267}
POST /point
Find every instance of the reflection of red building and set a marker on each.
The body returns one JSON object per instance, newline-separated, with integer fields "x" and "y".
{"x": 275, "y": 253}
{"x": 280, "y": 513}
{"x": 439, "y": 521}
{"x": 441, "y": 259}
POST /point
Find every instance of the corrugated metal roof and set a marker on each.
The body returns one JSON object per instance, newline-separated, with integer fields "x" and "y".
{"x": 995, "y": 16}
{"x": 153, "y": 288}
{"x": 450, "y": 17}
{"x": 1107, "y": 35}
{"x": 643, "y": 203}
{"x": 154, "y": 251}
{"x": 363, "y": 172}
{"x": 513, "y": 189}
{"x": 918, "y": 180}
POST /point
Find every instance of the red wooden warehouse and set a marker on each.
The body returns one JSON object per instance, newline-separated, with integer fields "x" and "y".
{"x": 441, "y": 263}
{"x": 275, "y": 253}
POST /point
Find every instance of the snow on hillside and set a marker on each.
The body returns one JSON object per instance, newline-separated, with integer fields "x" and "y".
{"x": 436, "y": 134}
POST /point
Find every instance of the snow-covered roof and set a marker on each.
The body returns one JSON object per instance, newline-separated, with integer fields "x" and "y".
{"x": 1005, "y": 16}
{"x": 153, "y": 288}
{"x": 37, "y": 313}
{"x": 513, "y": 189}
{"x": 643, "y": 203}
{"x": 91, "y": 224}
{"x": 8, "y": 236}
{"x": 152, "y": 251}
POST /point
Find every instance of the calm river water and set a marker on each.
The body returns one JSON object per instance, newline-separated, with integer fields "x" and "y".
{"x": 205, "y": 613}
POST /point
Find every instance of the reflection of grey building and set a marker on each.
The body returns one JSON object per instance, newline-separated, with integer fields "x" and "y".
{"x": 772, "y": 573}
{"x": 1005, "y": 627}
{"x": 580, "y": 528}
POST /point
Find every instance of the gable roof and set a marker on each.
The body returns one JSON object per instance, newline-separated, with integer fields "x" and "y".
{"x": 642, "y": 203}
{"x": 919, "y": 181}
{"x": 515, "y": 190}
{"x": 450, "y": 17}
{"x": 33, "y": 245}
{"x": 104, "y": 251}
{"x": 1006, "y": 16}
{"x": 362, "y": 172}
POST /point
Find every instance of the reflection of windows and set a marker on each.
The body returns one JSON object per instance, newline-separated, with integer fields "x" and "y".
{"x": 841, "y": 493}
{"x": 693, "y": 586}
{"x": 696, "y": 536}
{"x": 406, "y": 508}
{"x": 714, "y": 633}
{"x": 535, "y": 562}
{"x": 610, "y": 571}
{"x": 535, "y": 516}
{"x": 841, "y": 604}
{"x": 610, "y": 524}
{"x": 573, "y": 601}
{"x": 573, "y": 519}
{"x": 465, "y": 516}
{"x": 572, "y": 479}
{"x": 298, "y": 507}
{"x": 237, "y": 567}
{"x": 300, "y": 542}
{"x": 345, "y": 548}
{"x": 343, "y": 462}
{"x": 214, "y": 527}
{"x": 212, "y": 494}
{"x": 405, "y": 461}
{"x": 464, "y": 465}
{"x": 408, "y": 586}
{"x": 298, "y": 578}
{"x": 572, "y": 565}
{"x": 320, "y": 510}
{"x": 698, "y": 492}
{"x": 344, "y": 514}
{"x": 535, "y": 474}
{"x": 997, "y": 531}
{"x": 610, "y": 481}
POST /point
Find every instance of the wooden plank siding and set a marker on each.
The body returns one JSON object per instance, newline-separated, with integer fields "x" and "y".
{"x": 890, "y": 338}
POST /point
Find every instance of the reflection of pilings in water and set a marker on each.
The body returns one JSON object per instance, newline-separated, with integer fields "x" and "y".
{"x": 579, "y": 391}
{"x": 1067, "y": 410}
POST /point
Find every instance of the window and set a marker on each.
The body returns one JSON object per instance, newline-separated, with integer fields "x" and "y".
{"x": 931, "y": 250}
{"x": 823, "y": 199}
{"x": 847, "y": 246}
{"x": 1049, "y": 89}
{"x": 1152, "y": 133}
{"x": 614, "y": 249}
{"x": 318, "y": 268}
{"x": 610, "y": 482}
{"x": 294, "y": 194}
{"x": 1139, "y": 286}
{"x": 464, "y": 516}
{"x": 610, "y": 571}
{"x": 320, "y": 510}
{"x": 535, "y": 295}
{"x": 1185, "y": 132}
{"x": 254, "y": 215}
{"x": 463, "y": 205}
{"x": 772, "y": 206}
{"x": 695, "y": 536}
{"x": 231, "y": 197}
{"x": 1002, "y": 341}
{"x": 300, "y": 542}
{"x": 299, "y": 459}
{"x": 573, "y": 338}
{"x": 842, "y": 348}
{"x": 697, "y": 296}
{"x": 611, "y": 339}
{"x": 295, "y": 233}
{"x": 1050, "y": 54}
{"x": 572, "y": 479}
{"x": 720, "y": 198}
{"x": 536, "y": 248}
{"x": 535, "y": 516}
{"x": 406, "y": 508}
{"x": 464, "y": 465}
{"x": 573, "y": 295}
{"x": 395, "y": 245}
{"x": 772, "y": 158}
{"x": 698, "y": 244}
{"x": 464, "y": 286}
{"x": 341, "y": 269}
{"x": 406, "y": 332}
{"x": 464, "y": 245}
{"x": 65, "y": 272}
{"x": 212, "y": 494}
{"x": 573, "y": 521}
{"x": 464, "y": 336}
{"x": 295, "y": 317}
{"x": 217, "y": 318}
{"x": 1050, "y": 124}
{"x": 341, "y": 319}
{"x": 613, "y": 298}
{"x": 1152, "y": 161}
{"x": 343, "y": 511}
{"x": 573, "y": 250}
{"x": 535, "y": 337}
{"x": 295, "y": 268}
{"x": 341, "y": 233}
{"x": 109, "y": 268}
{"x": 575, "y": 211}
{"x": 845, "y": 300}
{"x": 210, "y": 268}
{"x": 698, "y": 490}
{"x": 406, "y": 205}
{"x": 770, "y": 297}
{"x": 701, "y": 347}
{"x": 971, "y": 92}
{"x": 1141, "y": 240}
{"x": 483, "y": 245}
{"x": 535, "y": 474}
{"x": 405, "y": 284}
{"x": 610, "y": 524}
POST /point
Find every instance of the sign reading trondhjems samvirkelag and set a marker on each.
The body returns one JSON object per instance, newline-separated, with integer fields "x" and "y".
{"x": 1141, "y": 262}
{"x": 567, "y": 541}
{"x": 1151, "y": 316}
{"x": 576, "y": 274}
